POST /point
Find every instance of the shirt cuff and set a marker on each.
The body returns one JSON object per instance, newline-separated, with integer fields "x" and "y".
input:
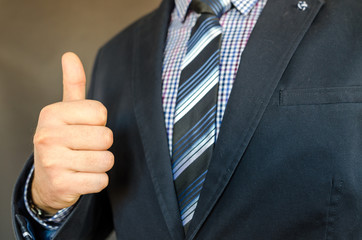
{"x": 51, "y": 223}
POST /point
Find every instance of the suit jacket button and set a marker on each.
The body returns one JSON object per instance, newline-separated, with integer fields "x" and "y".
{"x": 302, "y": 5}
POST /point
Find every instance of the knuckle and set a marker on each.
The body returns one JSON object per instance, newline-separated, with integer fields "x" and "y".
{"x": 37, "y": 138}
{"x": 48, "y": 164}
{"x": 47, "y": 112}
{"x": 41, "y": 137}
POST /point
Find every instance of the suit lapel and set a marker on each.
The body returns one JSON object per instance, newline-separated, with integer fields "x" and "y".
{"x": 277, "y": 34}
{"x": 148, "y": 54}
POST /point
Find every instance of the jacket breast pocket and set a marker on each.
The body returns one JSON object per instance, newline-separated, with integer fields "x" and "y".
{"x": 312, "y": 96}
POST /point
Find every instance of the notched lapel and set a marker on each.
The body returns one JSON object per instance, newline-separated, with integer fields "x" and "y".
{"x": 148, "y": 54}
{"x": 276, "y": 36}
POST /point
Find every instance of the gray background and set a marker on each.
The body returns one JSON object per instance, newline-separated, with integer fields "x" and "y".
{"x": 33, "y": 36}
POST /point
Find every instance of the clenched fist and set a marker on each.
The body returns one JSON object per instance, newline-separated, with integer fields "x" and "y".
{"x": 70, "y": 144}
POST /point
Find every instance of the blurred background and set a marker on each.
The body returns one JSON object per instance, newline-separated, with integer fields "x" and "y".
{"x": 33, "y": 36}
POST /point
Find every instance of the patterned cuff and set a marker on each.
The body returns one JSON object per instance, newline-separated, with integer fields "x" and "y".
{"x": 51, "y": 223}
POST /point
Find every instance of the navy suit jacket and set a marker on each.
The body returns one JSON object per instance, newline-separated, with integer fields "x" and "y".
{"x": 288, "y": 160}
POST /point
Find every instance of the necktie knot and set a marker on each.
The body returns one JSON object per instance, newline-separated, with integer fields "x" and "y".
{"x": 214, "y": 7}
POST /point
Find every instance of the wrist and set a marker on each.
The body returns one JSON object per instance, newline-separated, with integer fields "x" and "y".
{"x": 37, "y": 206}
{"x": 40, "y": 213}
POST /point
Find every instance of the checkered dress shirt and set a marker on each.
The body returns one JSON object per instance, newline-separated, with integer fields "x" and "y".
{"x": 237, "y": 25}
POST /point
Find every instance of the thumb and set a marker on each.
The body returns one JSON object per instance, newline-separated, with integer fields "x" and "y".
{"x": 73, "y": 77}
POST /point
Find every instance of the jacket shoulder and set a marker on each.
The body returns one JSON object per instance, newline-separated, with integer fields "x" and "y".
{"x": 128, "y": 33}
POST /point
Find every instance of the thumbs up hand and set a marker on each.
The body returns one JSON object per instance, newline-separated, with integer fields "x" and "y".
{"x": 70, "y": 144}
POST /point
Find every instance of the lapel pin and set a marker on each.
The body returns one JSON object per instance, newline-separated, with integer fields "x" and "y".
{"x": 302, "y": 5}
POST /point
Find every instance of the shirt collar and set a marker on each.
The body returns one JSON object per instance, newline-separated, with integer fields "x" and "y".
{"x": 243, "y": 6}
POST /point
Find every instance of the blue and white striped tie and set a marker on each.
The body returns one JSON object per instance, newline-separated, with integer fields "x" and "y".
{"x": 195, "y": 113}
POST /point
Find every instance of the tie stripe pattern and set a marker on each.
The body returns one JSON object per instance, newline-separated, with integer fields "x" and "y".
{"x": 195, "y": 114}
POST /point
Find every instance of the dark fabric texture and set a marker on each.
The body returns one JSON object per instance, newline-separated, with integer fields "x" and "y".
{"x": 287, "y": 163}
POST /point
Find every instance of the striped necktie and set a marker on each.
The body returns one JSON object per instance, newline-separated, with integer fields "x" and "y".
{"x": 195, "y": 113}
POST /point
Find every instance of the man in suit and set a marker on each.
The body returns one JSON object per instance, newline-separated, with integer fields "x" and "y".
{"x": 287, "y": 160}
